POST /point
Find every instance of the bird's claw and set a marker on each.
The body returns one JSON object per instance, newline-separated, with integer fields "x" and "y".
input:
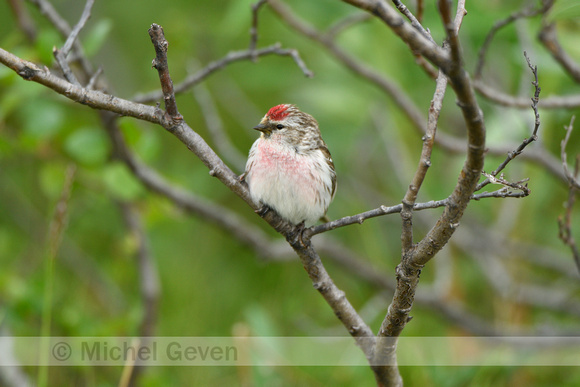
{"x": 262, "y": 211}
{"x": 296, "y": 234}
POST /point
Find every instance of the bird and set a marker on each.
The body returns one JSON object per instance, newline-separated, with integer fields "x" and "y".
{"x": 289, "y": 167}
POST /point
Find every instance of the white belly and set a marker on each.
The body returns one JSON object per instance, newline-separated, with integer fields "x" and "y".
{"x": 292, "y": 184}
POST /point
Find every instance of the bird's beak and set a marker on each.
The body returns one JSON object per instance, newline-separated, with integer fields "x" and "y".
{"x": 262, "y": 127}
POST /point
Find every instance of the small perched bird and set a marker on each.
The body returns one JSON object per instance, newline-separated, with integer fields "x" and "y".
{"x": 289, "y": 168}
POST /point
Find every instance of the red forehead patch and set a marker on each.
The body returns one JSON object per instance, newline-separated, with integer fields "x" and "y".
{"x": 279, "y": 112}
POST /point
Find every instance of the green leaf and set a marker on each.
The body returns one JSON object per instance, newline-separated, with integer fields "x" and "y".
{"x": 88, "y": 146}
{"x": 42, "y": 118}
{"x": 121, "y": 183}
{"x": 97, "y": 36}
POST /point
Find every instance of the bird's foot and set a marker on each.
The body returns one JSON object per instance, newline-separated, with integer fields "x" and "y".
{"x": 295, "y": 236}
{"x": 262, "y": 211}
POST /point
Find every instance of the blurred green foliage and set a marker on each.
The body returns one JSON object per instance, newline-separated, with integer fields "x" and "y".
{"x": 210, "y": 282}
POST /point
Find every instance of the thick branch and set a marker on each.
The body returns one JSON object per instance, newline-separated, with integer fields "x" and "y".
{"x": 413, "y": 261}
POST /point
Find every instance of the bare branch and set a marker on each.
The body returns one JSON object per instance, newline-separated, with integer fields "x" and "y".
{"x": 77, "y": 29}
{"x": 232, "y": 57}
{"x": 58, "y": 222}
{"x": 61, "y": 54}
{"x": 503, "y": 99}
{"x": 505, "y": 192}
{"x": 550, "y": 41}
{"x": 528, "y": 12}
{"x": 215, "y": 127}
{"x": 254, "y": 29}
{"x": 572, "y": 178}
{"x": 463, "y": 191}
{"x": 424, "y": 164}
{"x": 527, "y": 141}
{"x": 426, "y": 66}
{"x": 428, "y": 141}
{"x": 149, "y": 286}
{"x": 335, "y": 297}
{"x": 384, "y": 210}
{"x": 333, "y": 31}
{"x": 564, "y": 224}
{"x": 414, "y": 22}
{"x": 94, "y": 78}
{"x": 417, "y": 42}
{"x": 413, "y": 261}
{"x": 160, "y": 64}
{"x": 62, "y": 26}
{"x": 23, "y": 18}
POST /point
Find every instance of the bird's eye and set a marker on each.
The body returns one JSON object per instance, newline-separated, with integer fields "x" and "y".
{"x": 280, "y": 126}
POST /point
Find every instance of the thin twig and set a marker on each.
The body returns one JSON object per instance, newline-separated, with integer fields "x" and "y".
{"x": 334, "y": 30}
{"x": 232, "y": 57}
{"x": 551, "y": 102}
{"x": 424, "y": 164}
{"x": 56, "y": 230}
{"x": 61, "y": 54}
{"x": 414, "y": 21}
{"x": 420, "y": 60}
{"x": 254, "y": 29}
{"x": 94, "y": 78}
{"x": 77, "y": 29}
{"x": 527, "y": 141}
{"x": 549, "y": 39}
{"x": 565, "y": 229}
{"x": 62, "y": 26}
{"x": 572, "y": 178}
{"x": 216, "y": 129}
{"x": 149, "y": 284}
{"x": 565, "y": 223}
{"x": 529, "y": 11}
{"x": 25, "y": 22}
